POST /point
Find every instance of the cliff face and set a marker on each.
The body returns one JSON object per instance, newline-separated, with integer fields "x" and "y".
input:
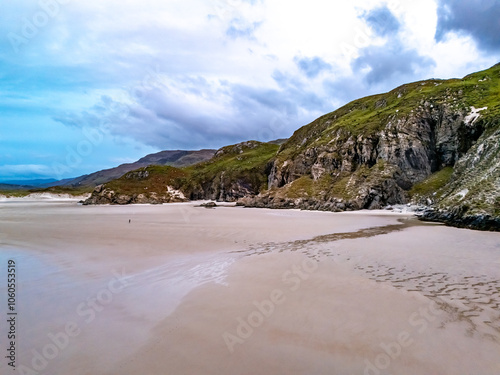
{"x": 377, "y": 169}
{"x": 378, "y": 151}
{"x": 234, "y": 172}
{"x": 472, "y": 197}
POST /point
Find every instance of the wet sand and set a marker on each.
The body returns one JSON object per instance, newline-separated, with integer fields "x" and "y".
{"x": 188, "y": 290}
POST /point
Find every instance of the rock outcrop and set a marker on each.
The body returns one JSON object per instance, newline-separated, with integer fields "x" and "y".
{"x": 104, "y": 195}
{"x": 153, "y": 185}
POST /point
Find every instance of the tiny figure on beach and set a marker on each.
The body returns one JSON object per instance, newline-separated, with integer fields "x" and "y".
{"x": 129, "y": 221}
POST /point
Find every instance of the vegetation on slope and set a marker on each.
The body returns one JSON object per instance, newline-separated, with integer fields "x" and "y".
{"x": 233, "y": 172}
{"x": 371, "y": 114}
{"x": 431, "y": 186}
{"x": 245, "y": 164}
{"x": 154, "y": 178}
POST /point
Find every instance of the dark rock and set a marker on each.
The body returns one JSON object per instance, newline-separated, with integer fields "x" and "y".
{"x": 209, "y": 205}
{"x": 458, "y": 218}
{"x": 104, "y": 195}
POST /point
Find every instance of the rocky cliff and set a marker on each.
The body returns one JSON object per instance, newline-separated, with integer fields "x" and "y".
{"x": 395, "y": 148}
{"x": 471, "y": 199}
{"x": 433, "y": 142}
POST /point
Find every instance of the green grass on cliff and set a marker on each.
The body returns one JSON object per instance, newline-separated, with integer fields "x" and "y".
{"x": 301, "y": 188}
{"x": 252, "y": 158}
{"x": 305, "y": 187}
{"x": 371, "y": 114}
{"x": 432, "y": 184}
{"x": 245, "y": 164}
{"x": 157, "y": 180}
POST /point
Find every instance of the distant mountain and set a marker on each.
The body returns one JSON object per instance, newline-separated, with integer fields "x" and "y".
{"x": 176, "y": 158}
{"x": 57, "y": 183}
{"x": 32, "y": 184}
{"x": 37, "y": 182}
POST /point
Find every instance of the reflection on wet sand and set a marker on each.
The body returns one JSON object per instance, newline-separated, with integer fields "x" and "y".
{"x": 245, "y": 291}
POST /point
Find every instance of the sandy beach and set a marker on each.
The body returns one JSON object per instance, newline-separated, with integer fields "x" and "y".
{"x": 181, "y": 289}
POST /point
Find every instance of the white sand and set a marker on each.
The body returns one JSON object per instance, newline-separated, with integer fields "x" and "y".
{"x": 167, "y": 293}
{"x": 44, "y": 197}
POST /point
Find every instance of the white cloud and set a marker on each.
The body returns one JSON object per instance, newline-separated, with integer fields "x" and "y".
{"x": 212, "y": 62}
{"x": 198, "y": 73}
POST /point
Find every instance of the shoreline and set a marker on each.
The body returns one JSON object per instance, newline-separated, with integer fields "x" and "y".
{"x": 423, "y": 213}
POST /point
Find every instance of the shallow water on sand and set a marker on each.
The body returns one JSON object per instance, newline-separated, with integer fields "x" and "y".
{"x": 104, "y": 310}
{"x": 184, "y": 290}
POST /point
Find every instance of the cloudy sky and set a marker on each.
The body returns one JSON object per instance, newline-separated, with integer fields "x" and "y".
{"x": 87, "y": 85}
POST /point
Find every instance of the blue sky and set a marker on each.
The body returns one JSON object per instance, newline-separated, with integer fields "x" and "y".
{"x": 87, "y": 85}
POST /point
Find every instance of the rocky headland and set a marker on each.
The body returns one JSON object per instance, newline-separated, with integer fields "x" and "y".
{"x": 433, "y": 143}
